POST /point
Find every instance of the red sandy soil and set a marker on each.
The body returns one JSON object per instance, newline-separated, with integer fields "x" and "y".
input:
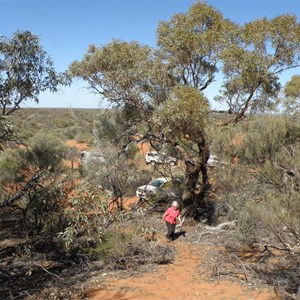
{"x": 79, "y": 145}
{"x": 181, "y": 280}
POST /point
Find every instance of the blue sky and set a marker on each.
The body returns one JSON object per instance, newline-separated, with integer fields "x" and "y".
{"x": 67, "y": 27}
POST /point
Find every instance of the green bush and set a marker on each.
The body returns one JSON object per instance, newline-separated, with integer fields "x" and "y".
{"x": 46, "y": 151}
{"x": 262, "y": 189}
{"x": 112, "y": 245}
{"x": 11, "y": 163}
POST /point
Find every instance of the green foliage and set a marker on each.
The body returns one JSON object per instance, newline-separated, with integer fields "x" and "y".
{"x": 64, "y": 123}
{"x": 292, "y": 94}
{"x": 42, "y": 200}
{"x": 224, "y": 141}
{"x": 88, "y": 221}
{"x": 265, "y": 136}
{"x": 261, "y": 189}
{"x": 192, "y": 43}
{"x": 46, "y": 152}
{"x": 6, "y": 130}
{"x": 185, "y": 115}
{"x": 280, "y": 214}
{"x": 271, "y": 217}
{"x": 111, "y": 127}
{"x": 127, "y": 74}
{"x": 41, "y": 205}
{"x": 264, "y": 49}
{"x": 247, "y": 213}
{"x": 44, "y": 210}
{"x": 88, "y": 216}
{"x": 25, "y": 71}
{"x": 283, "y": 172}
{"x": 113, "y": 245}
{"x": 11, "y": 164}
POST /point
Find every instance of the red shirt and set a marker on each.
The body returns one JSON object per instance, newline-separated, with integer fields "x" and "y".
{"x": 171, "y": 215}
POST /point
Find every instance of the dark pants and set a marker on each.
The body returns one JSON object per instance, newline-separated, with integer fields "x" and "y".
{"x": 171, "y": 231}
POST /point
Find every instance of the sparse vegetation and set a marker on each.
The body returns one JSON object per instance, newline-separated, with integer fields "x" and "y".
{"x": 70, "y": 219}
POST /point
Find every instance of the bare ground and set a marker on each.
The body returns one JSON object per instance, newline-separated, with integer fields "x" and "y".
{"x": 189, "y": 276}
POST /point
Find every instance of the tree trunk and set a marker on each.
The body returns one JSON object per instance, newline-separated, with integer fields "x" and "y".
{"x": 193, "y": 169}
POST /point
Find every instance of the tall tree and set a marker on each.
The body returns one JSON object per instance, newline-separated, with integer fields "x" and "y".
{"x": 25, "y": 71}
{"x": 141, "y": 80}
{"x": 163, "y": 88}
{"x": 192, "y": 44}
{"x": 251, "y": 66}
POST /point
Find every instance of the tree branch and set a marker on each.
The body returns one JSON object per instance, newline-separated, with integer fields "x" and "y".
{"x": 30, "y": 184}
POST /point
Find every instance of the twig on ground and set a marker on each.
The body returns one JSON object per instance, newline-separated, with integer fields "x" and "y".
{"x": 47, "y": 271}
{"x": 241, "y": 265}
{"x": 222, "y": 226}
{"x": 217, "y": 229}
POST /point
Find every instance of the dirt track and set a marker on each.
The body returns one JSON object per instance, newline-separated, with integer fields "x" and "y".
{"x": 181, "y": 280}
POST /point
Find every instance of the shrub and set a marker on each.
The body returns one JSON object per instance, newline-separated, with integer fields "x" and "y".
{"x": 262, "y": 189}
{"x": 46, "y": 151}
{"x": 88, "y": 216}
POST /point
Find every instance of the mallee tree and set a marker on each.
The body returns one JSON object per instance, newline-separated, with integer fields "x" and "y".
{"x": 163, "y": 89}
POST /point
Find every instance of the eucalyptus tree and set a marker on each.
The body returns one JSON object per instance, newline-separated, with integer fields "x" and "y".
{"x": 25, "y": 71}
{"x": 133, "y": 79}
{"x": 192, "y": 44}
{"x": 251, "y": 57}
{"x": 150, "y": 85}
{"x": 252, "y": 66}
{"x": 129, "y": 75}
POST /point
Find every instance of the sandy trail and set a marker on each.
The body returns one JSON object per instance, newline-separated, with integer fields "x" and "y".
{"x": 181, "y": 280}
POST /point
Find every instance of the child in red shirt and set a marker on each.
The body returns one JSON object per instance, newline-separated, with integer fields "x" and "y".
{"x": 170, "y": 217}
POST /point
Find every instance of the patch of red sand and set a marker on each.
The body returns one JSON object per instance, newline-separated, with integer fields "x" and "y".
{"x": 79, "y": 145}
{"x": 181, "y": 280}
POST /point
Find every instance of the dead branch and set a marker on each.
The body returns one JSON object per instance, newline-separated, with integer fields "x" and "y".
{"x": 288, "y": 248}
{"x": 30, "y": 184}
{"x": 221, "y": 227}
{"x": 239, "y": 268}
{"x": 217, "y": 229}
{"x": 47, "y": 271}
